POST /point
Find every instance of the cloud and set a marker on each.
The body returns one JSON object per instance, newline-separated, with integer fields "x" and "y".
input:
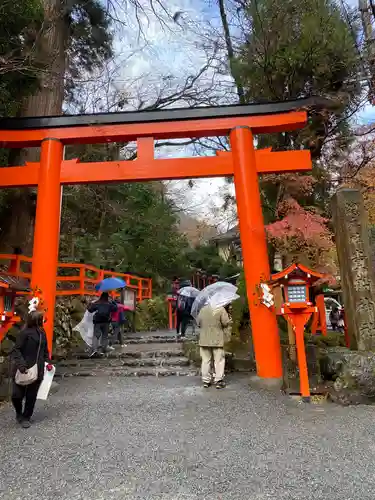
{"x": 367, "y": 115}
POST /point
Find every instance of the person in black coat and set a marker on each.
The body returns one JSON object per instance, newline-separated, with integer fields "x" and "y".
{"x": 183, "y": 314}
{"x": 26, "y": 353}
{"x": 102, "y": 309}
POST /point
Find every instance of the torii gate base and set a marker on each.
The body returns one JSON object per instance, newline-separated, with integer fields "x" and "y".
{"x": 240, "y": 122}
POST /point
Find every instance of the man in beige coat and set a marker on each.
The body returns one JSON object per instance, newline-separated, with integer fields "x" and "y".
{"x": 214, "y": 328}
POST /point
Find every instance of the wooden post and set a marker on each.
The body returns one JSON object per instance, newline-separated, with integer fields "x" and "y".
{"x": 170, "y": 314}
{"x": 292, "y": 342}
{"x": 82, "y": 276}
{"x": 15, "y": 264}
{"x": 302, "y": 362}
{"x": 298, "y": 322}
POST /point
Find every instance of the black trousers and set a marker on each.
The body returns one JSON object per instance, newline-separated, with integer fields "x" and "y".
{"x": 27, "y": 393}
{"x": 183, "y": 320}
{"x": 117, "y": 332}
{"x": 101, "y": 331}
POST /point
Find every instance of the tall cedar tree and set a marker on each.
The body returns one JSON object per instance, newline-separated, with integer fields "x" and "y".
{"x": 294, "y": 49}
{"x": 74, "y": 41}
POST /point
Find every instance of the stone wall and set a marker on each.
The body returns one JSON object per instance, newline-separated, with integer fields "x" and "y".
{"x": 356, "y": 269}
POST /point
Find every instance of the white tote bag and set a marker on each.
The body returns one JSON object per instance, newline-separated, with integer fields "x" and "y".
{"x": 86, "y": 328}
{"x": 31, "y": 374}
{"x": 45, "y": 386}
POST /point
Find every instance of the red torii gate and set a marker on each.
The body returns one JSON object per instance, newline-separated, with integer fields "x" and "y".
{"x": 243, "y": 162}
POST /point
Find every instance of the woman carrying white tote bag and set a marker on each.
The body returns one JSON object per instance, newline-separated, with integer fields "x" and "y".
{"x": 29, "y": 356}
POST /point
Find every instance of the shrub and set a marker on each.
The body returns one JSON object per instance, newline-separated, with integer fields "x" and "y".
{"x": 152, "y": 315}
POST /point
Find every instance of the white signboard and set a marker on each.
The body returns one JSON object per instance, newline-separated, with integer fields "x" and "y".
{"x": 129, "y": 298}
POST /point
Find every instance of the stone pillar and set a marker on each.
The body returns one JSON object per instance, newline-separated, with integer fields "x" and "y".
{"x": 356, "y": 269}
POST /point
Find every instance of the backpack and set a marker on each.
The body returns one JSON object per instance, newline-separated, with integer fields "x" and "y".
{"x": 181, "y": 303}
{"x": 184, "y": 304}
{"x": 189, "y": 304}
{"x": 102, "y": 311}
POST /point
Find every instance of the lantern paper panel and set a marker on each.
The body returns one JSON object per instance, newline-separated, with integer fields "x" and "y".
{"x": 297, "y": 293}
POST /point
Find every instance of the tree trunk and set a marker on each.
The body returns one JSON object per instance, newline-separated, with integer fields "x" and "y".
{"x": 17, "y": 230}
{"x": 48, "y": 100}
{"x": 367, "y": 10}
{"x": 230, "y": 51}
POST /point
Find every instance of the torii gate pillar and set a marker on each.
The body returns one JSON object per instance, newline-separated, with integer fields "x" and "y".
{"x": 47, "y": 228}
{"x": 255, "y": 255}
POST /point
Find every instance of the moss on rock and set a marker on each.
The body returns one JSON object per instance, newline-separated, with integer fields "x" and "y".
{"x": 352, "y": 373}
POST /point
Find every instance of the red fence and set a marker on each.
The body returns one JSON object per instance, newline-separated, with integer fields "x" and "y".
{"x": 73, "y": 278}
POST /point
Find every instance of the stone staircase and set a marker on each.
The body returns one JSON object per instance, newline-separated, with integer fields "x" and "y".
{"x": 150, "y": 354}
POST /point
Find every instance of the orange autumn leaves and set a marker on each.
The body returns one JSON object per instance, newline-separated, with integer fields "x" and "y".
{"x": 301, "y": 232}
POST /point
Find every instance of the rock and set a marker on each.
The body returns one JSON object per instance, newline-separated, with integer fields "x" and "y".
{"x": 191, "y": 351}
{"x": 331, "y": 361}
{"x": 243, "y": 365}
{"x": 232, "y": 362}
{"x": 352, "y": 373}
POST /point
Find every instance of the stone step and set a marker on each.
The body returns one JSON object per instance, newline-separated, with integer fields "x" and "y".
{"x": 153, "y": 340}
{"x": 129, "y": 372}
{"x": 132, "y": 354}
{"x": 123, "y": 361}
{"x": 150, "y": 335}
{"x": 137, "y": 351}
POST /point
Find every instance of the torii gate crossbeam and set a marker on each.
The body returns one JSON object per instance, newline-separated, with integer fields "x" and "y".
{"x": 243, "y": 162}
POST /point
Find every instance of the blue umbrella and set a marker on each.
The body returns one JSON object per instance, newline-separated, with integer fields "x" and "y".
{"x": 109, "y": 284}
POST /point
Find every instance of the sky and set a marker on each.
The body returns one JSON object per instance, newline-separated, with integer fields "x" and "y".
{"x": 164, "y": 53}
{"x": 170, "y": 52}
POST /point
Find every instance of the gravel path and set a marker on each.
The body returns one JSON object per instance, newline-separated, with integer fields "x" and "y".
{"x": 169, "y": 439}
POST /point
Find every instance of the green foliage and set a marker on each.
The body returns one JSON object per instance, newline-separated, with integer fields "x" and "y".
{"x": 298, "y": 48}
{"x": 129, "y": 227}
{"x": 88, "y": 40}
{"x": 152, "y": 315}
{"x": 332, "y": 339}
{"x": 295, "y": 49}
{"x": 240, "y": 312}
{"x": 20, "y": 21}
{"x": 207, "y": 258}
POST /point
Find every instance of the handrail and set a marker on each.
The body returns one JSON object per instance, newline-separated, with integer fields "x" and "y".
{"x": 86, "y": 284}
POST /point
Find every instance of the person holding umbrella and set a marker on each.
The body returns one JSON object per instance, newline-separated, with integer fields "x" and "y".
{"x": 103, "y": 309}
{"x": 185, "y": 300}
{"x": 212, "y": 317}
{"x": 214, "y": 325}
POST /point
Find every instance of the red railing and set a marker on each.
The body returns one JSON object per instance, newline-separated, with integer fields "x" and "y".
{"x": 75, "y": 278}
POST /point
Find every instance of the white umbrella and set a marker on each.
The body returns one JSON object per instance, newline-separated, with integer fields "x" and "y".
{"x": 188, "y": 291}
{"x": 222, "y": 299}
{"x": 207, "y": 293}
